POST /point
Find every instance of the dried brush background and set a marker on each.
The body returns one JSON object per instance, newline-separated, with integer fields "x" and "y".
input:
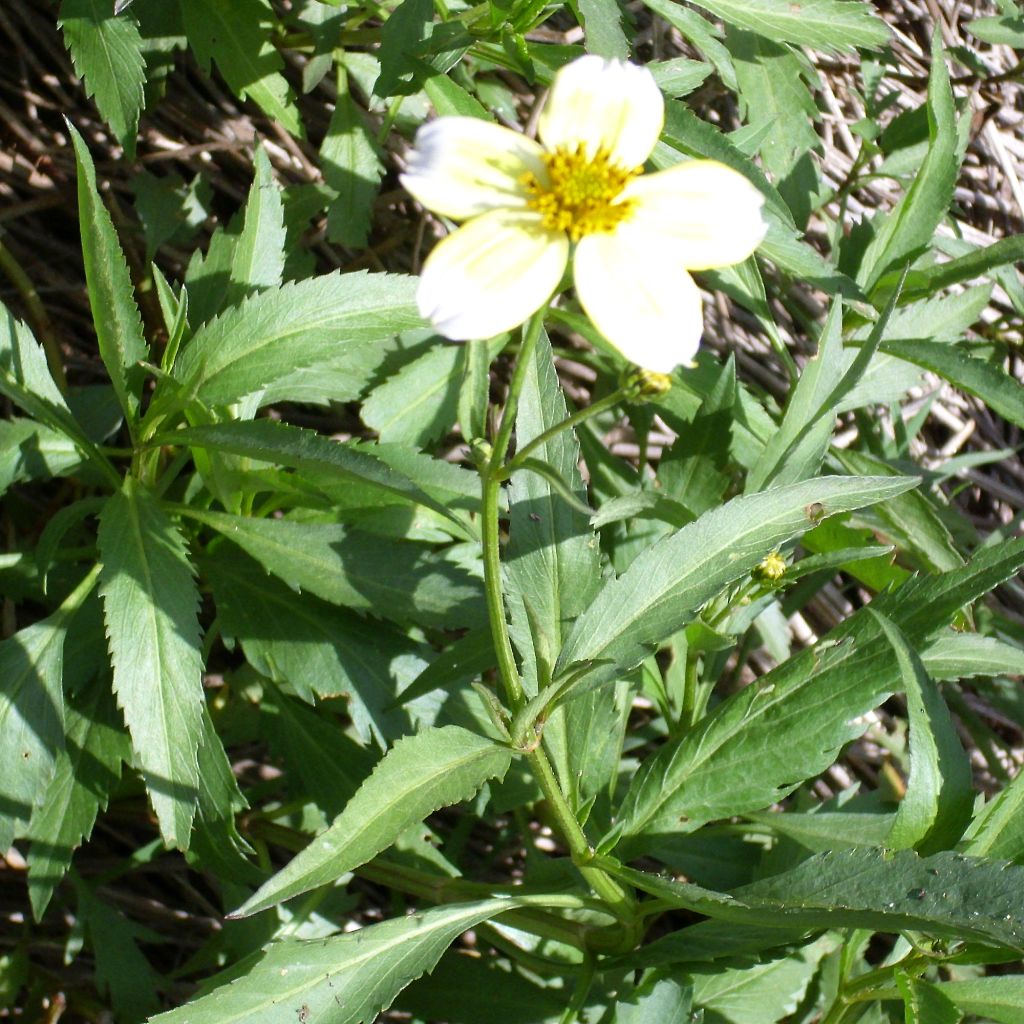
{"x": 198, "y": 128}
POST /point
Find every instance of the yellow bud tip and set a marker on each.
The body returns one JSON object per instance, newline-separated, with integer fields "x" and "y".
{"x": 772, "y": 568}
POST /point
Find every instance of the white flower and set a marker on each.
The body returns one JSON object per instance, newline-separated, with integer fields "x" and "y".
{"x": 527, "y": 205}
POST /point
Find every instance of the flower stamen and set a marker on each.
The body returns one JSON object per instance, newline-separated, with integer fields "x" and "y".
{"x": 580, "y": 195}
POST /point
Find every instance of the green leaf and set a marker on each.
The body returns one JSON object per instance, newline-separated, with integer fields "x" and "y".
{"x": 236, "y": 34}
{"x": 772, "y": 92}
{"x": 407, "y": 26}
{"x": 760, "y": 743}
{"x": 32, "y": 451}
{"x": 602, "y": 22}
{"x": 910, "y": 225}
{"x": 310, "y": 647}
{"x": 666, "y": 585}
{"x": 694, "y": 469}
{"x": 1002, "y": 30}
{"x": 552, "y": 566}
{"x": 998, "y": 828}
{"x": 760, "y": 993}
{"x": 31, "y": 718}
{"x": 420, "y": 402}
{"x": 656, "y": 998}
{"x": 121, "y": 969}
{"x": 831, "y": 25}
{"x": 450, "y": 99}
{"x": 107, "y": 53}
{"x": 114, "y": 313}
{"x": 911, "y": 519}
{"x": 924, "y": 1002}
{"x": 1000, "y": 998}
{"x": 344, "y": 979}
{"x": 417, "y": 776}
{"x": 150, "y": 604}
{"x": 344, "y": 463}
{"x": 86, "y": 773}
{"x": 939, "y": 799}
{"x": 257, "y": 262}
{"x": 405, "y": 582}
{"x": 996, "y": 388}
{"x": 352, "y": 166}
{"x": 956, "y": 656}
{"x": 269, "y": 335}
{"x": 926, "y": 282}
{"x": 947, "y": 894}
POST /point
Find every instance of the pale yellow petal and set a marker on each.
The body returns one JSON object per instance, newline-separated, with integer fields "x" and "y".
{"x": 462, "y": 166}
{"x": 491, "y": 274}
{"x": 604, "y": 105}
{"x": 708, "y": 213}
{"x": 639, "y": 298}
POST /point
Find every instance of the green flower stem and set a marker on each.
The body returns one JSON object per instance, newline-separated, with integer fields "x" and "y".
{"x": 494, "y": 472}
{"x": 579, "y": 996}
{"x": 602, "y": 405}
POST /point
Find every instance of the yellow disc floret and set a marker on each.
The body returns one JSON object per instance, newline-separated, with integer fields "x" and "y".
{"x": 580, "y": 195}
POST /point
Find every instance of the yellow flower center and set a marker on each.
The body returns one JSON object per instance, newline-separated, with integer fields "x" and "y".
{"x": 581, "y": 192}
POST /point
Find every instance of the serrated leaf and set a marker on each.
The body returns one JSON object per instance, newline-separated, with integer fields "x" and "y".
{"x": 925, "y": 1003}
{"x": 901, "y": 231}
{"x": 279, "y": 443}
{"x": 831, "y": 25}
{"x": 947, "y": 894}
{"x": 417, "y": 776}
{"x": 114, "y": 313}
{"x": 666, "y": 584}
{"x": 122, "y": 972}
{"x": 657, "y": 998}
{"x": 420, "y": 402}
{"x": 405, "y": 582}
{"x": 407, "y": 26}
{"x": 310, "y": 647}
{"x": 31, "y": 718}
{"x": 759, "y": 744}
{"x": 937, "y": 805}
{"x": 998, "y": 828}
{"x": 552, "y": 567}
{"x": 344, "y": 979}
{"x": 257, "y": 262}
{"x": 236, "y": 35}
{"x": 150, "y": 604}
{"x": 772, "y": 91}
{"x": 107, "y": 53}
{"x": 352, "y": 166}
{"x": 87, "y": 770}
{"x": 270, "y": 335}
{"x": 32, "y": 451}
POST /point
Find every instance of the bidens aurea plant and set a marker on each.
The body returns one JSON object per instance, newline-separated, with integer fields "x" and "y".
{"x": 579, "y": 193}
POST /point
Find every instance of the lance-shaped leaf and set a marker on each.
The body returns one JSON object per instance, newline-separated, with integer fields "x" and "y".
{"x": 344, "y": 979}
{"x": 823, "y": 24}
{"x": 937, "y": 806}
{"x": 330, "y": 462}
{"x": 417, "y": 776}
{"x": 665, "y": 585}
{"x": 31, "y": 718}
{"x": 107, "y": 52}
{"x": 760, "y": 743}
{"x": 402, "y": 581}
{"x": 257, "y": 262}
{"x": 270, "y": 335}
{"x": 87, "y": 771}
{"x": 925, "y": 1004}
{"x": 236, "y": 35}
{"x": 947, "y": 894}
{"x": 999, "y": 998}
{"x": 114, "y": 313}
{"x": 150, "y": 605}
